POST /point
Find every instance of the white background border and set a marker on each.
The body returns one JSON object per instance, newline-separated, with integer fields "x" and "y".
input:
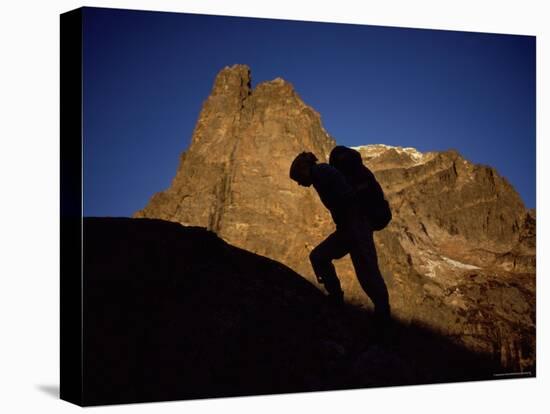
{"x": 29, "y": 223}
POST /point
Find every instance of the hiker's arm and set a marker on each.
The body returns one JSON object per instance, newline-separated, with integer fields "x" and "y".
{"x": 362, "y": 191}
{"x": 354, "y": 194}
{"x": 349, "y": 197}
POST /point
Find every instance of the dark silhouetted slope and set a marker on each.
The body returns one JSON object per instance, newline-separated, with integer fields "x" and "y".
{"x": 174, "y": 312}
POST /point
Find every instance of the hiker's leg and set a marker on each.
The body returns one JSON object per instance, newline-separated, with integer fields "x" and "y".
{"x": 333, "y": 247}
{"x": 365, "y": 262}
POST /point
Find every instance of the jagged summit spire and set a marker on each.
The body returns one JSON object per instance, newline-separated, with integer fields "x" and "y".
{"x": 234, "y": 79}
{"x": 237, "y": 80}
{"x": 233, "y": 107}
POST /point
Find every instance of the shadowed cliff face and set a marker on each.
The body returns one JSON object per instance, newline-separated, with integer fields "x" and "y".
{"x": 459, "y": 255}
{"x": 173, "y": 312}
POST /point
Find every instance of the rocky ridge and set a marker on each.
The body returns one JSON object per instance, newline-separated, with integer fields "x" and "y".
{"x": 458, "y": 257}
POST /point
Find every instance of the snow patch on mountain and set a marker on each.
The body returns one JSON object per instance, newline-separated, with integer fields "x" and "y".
{"x": 375, "y": 150}
{"x": 458, "y": 264}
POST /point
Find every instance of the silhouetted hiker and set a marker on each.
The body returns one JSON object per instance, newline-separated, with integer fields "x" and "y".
{"x": 353, "y": 235}
{"x": 367, "y": 190}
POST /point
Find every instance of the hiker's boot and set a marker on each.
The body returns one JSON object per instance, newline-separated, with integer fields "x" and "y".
{"x": 383, "y": 329}
{"x": 336, "y": 298}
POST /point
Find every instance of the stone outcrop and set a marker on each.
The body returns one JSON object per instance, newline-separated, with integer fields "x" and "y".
{"x": 459, "y": 255}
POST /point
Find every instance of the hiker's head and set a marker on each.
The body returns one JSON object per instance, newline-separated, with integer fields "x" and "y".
{"x": 345, "y": 159}
{"x": 300, "y": 170}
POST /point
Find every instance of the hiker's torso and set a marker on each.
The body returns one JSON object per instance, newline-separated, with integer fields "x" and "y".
{"x": 333, "y": 190}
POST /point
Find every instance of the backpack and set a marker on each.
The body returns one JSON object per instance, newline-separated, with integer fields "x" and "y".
{"x": 369, "y": 194}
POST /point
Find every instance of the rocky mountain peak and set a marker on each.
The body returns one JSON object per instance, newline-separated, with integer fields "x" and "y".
{"x": 458, "y": 256}
{"x": 233, "y": 80}
{"x": 277, "y": 86}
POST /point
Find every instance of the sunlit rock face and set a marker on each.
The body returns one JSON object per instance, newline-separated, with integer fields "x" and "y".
{"x": 458, "y": 256}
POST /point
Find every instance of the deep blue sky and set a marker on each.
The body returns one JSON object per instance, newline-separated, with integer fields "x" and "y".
{"x": 146, "y": 75}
